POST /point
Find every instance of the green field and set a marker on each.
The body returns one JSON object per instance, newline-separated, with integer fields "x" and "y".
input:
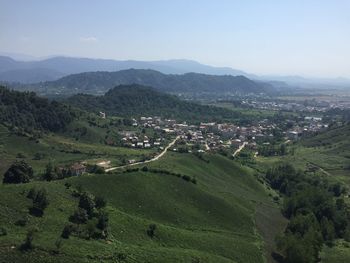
{"x": 214, "y": 220}
{"x": 63, "y": 149}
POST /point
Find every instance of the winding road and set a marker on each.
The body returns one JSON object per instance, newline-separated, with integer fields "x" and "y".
{"x": 239, "y": 149}
{"x": 147, "y": 161}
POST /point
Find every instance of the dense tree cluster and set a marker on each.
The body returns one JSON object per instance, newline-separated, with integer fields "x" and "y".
{"x": 27, "y": 111}
{"x": 272, "y": 150}
{"x": 40, "y": 201}
{"x": 19, "y": 172}
{"x": 91, "y": 214}
{"x": 136, "y": 100}
{"x": 317, "y": 213}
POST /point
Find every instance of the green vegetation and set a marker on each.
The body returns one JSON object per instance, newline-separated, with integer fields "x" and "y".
{"x": 168, "y": 218}
{"x": 135, "y": 100}
{"x": 19, "y": 172}
{"x": 316, "y": 209}
{"x": 97, "y": 83}
{"x": 25, "y": 112}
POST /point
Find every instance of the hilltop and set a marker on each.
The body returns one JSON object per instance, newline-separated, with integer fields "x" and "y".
{"x": 137, "y": 100}
{"x": 98, "y": 83}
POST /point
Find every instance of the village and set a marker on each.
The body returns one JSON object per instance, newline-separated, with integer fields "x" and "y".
{"x": 161, "y": 135}
{"x": 214, "y": 136}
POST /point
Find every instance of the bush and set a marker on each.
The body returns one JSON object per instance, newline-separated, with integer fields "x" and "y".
{"x": 80, "y": 216}
{"x": 102, "y": 222}
{"x": 3, "y": 231}
{"x": 186, "y": 178}
{"x": 67, "y": 230}
{"x": 151, "y": 230}
{"x": 87, "y": 202}
{"x": 100, "y": 202}
{"x": 28, "y": 242}
{"x": 40, "y": 202}
{"x": 19, "y": 172}
{"x": 22, "y": 222}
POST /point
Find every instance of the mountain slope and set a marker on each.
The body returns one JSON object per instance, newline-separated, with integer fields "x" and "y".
{"x": 135, "y": 100}
{"x": 70, "y": 65}
{"x": 100, "y": 82}
{"x": 212, "y": 221}
{"x": 27, "y": 111}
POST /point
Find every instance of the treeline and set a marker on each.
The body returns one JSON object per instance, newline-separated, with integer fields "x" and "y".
{"x": 26, "y": 111}
{"x": 272, "y": 150}
{"x": 136, "y": 100}
{"x": 316, "y": 210}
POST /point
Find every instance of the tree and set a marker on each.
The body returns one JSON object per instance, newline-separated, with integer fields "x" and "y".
{"x": 28, "y": 242}
{"x": 100, "y": 202}
{"x": 49, "y": 173}
{"x": 40, "y": 202}
{"x": 327, "y": 229}
{"x": 151, "y": 230}
{"x": 67, "y": 230}
{"x": 19, "y": 172}
{"x": 86, "y": 201}
{"x": 80, "y": 216}
{"x": 102, "y": 222}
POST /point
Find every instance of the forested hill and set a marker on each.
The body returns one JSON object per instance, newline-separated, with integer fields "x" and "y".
{"x": 332, "y": 136}
{"x": 100, "y": 82}
{"x": 136, "y": 100}
{"x": 27, "y": 111}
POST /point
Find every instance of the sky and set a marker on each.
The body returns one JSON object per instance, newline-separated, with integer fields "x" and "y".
{"x": 266, "y": 37}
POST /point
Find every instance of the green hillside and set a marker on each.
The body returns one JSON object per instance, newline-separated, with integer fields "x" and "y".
{"x": 135, "y": 100}
{"x": 213, "y": 220}
{"x": 99, "y": 82}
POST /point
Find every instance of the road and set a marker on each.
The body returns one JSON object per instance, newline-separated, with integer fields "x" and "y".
{"x": 147, "y": 161}
{"x": 239, "y": 149}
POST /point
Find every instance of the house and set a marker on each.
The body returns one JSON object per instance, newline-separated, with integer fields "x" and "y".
{"x": 292, "y": 135}
{"x": 77, "y": 169}
{"x": 102, "y": 115}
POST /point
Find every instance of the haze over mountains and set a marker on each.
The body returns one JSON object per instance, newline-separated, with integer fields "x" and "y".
{"x": 53, "y": 68}
{"x": 101, "y": 81}
{"x": 28, "y": 70}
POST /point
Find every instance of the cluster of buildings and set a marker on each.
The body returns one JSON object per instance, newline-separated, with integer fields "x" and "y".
{"x": 137, "y": 140}
{"x": 307, "y": 127}
{"x": 206, "y": 136}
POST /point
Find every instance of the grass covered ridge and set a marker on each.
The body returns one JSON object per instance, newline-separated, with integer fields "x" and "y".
{"x": 211, "y": 221}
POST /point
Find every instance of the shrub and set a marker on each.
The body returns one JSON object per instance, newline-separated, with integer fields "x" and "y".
{"x": 151, "y": 230}
{"x": 22, "y": 222}
{"x": 28, "y": 241}
{"x": 87, "y": 202}
{"x": 186, "y": 178}
{"x": 40, "y": 202}
{"x": 100, "y": 202}
{"x": 80, "y": 216}
{"x": 102, "y": 222}
{"x": 3, "y": 231}
{"x": 67, "y": 230}
{"x": 19, "y": 172}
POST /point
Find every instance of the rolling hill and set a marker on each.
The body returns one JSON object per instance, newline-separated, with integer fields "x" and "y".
{"x": 99, "y": 82}
{"x": 136, "y": 100}
{"x": 212, "y": 221}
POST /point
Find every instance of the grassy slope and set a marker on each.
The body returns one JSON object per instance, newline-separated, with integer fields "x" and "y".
{"x": 330, "y": 152}
{"x": 60, "y": 148}
{"x": 213, "y": 221}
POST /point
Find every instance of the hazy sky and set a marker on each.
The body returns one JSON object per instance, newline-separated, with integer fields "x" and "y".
{"x": 305, "y": 37}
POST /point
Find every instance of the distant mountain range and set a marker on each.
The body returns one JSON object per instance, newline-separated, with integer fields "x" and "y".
{"x": 54, "y": 68}
{"x": 98, "y": 83}
{"x": 26, "y": 69}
